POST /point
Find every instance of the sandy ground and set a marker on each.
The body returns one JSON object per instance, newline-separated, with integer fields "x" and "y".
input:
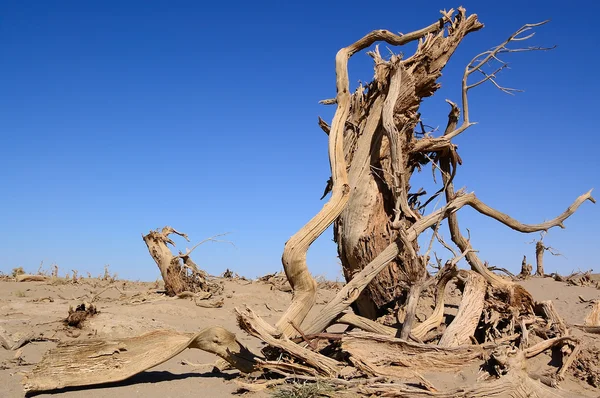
{"x": 131, "y": 308}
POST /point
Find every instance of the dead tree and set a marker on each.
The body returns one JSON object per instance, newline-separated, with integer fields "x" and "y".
{"x": 376, "y": 143}
{"x": 526, "y": 269}
{"x": 179, "y": 272}
{"x": 540, "y": 248}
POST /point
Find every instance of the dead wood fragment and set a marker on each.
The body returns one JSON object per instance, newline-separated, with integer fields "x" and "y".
{"x": 567, "y": 363}
{"x": 198, "y": 296}
{"x": 591, "y": 323}
{"x": 593, "y": 317}
{"x": 385, "y": 351}
{"x": 515, "y": 385}
{"x": 365, "y": 324}
{"x": 278, "y": 281}
{"x": 435, "y": 319}
{"x": 78, "y": 315}
{"x": 7, "y": 342}
{"x": 554, "y": 321}
{"x": 589, "y": 329}
{"x": 546, "y": 344}
{"x": 526, "y": 269}
{"x": 31, "y": 278}
{"x": 412, "y": 300}
{"x": 504, "y": 270}
{"x": 462, "y": 328}
{"x": 92, "y": 362}
{"x": 254, "y": 325}
{"x": 209, "y": 304}
{"x": 577, "y": 279}
{"x": 42, "y": 299}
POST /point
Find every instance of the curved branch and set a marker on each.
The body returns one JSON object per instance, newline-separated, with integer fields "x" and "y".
{"x": 528, "y": 228}
{"x": 436, "y": 318}
{"x": 210, "y": 239}
{"x": 166, "y": 231}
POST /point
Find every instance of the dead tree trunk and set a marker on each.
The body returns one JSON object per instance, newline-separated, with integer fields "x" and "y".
{"x": 379, "y": 140}
{"x": 526, "y": 269}
{"x": 539, "y": 258}
{"x": 540, "y": 248}
{"x": 179, "y": 272}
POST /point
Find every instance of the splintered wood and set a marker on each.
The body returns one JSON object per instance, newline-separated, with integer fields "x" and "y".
{"x": 389, "y": 355}
{"x": 462, "y": 328}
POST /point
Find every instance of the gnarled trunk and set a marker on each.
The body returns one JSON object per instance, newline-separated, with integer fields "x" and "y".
{"x": 379, "y": 148}
{"x": 179, "y": 272}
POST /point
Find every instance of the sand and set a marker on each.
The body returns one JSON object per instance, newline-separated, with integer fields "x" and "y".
{"x": 131, "y": 308}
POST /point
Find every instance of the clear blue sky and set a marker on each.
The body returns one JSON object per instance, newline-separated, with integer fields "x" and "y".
{"x": 117, "y": 117}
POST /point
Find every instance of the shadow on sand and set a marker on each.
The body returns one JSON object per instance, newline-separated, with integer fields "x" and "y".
{"x": 141, "y": 378}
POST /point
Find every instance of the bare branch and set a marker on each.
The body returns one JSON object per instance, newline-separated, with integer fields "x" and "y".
{"x": 324, "y": 126}
{"x": 482, "y": 59}
{"x": 528, "y": 228}
{"x": 329, "y": 101}
{"x": 447, "y": 246}
{"x": 211, "y": 239}
{"x": 166, "y": 231}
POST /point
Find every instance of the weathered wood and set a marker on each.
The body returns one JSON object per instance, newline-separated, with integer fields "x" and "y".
{"x": 436, "y": 318}
{"x": 364, "y": 228}
{"x": 525, "y": 269}
{"x": 414, "y": 294}
{"x": 514, "y": 385}
{"x": 254, "y": 325}
{"x": 539, "y": 258}
{"x": 384, "y": 351}
{"x": 462, "y": 328}
{"x": 366, "y": 324}
{"x": 555, "y": 321}
{"x": 179, "y": 272}
{"x": 90, "y": 362}
{"x": 169, "y": 265}
{"x": 593, "y": 317}
{"x": 31, "y": 278}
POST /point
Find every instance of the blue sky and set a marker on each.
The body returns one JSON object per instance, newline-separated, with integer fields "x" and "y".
{"x": 117, "y": 117}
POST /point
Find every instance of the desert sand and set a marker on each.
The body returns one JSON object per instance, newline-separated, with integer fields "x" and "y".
{"x": 131, "y": 308}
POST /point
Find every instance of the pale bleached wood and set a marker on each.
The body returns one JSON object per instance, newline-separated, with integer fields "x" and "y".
{"x": 82, "y": 363}
{"x": 366, "y": 324}
{"x": 294, "y": 254}
{"x": 593, "y": 317}
{"x": 436, "y": 318}
{"x": 461, "y": 329}
{"x": 254, "y": 325}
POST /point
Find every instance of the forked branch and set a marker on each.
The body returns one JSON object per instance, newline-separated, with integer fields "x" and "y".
{"x": 476, "y": 65}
